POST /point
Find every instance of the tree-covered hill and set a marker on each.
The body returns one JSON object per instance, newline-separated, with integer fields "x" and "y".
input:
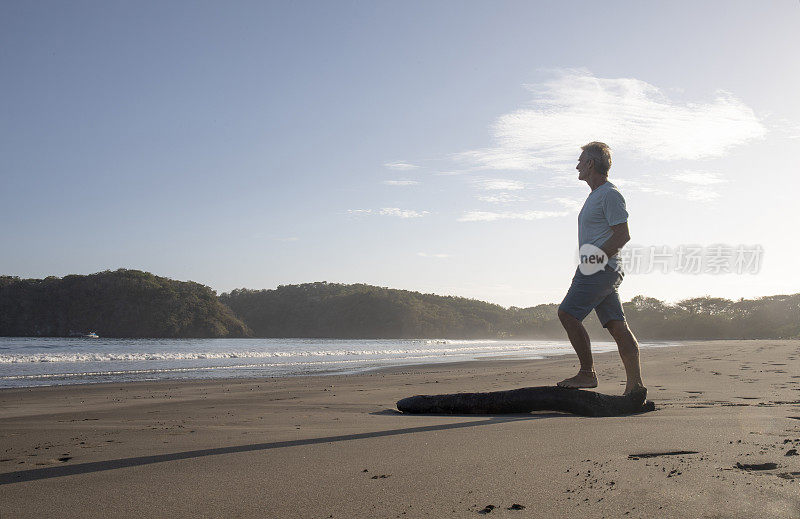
{"x": 769, "y": 317}
{"x": 123, "y": 303}
{"x": 364, "y": 311}
{"x": 131, "y": 303}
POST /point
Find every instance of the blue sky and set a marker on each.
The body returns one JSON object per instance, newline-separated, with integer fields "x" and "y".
{"x": 419, "y": 145}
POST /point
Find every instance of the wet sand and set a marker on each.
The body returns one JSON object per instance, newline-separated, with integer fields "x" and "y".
{"x": 722, "y": 442}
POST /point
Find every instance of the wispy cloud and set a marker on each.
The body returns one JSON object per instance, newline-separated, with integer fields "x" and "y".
{"x": 502, "y": 158}
{"x": 488, "y": 216}
{"x": 400, "y": 166}
{"x": 654, "y": 190}
{"x": 402, "y": 213}
{"x": 427, "y": 255}
{"x": 388, "y": 211}
{"x": 700, "y": 178}
{"x": 502, "y": 198}
{"x": 647, "y": 185}
{"x": 699, "y": 190}
{"x": 631, "y": 115}
{"x": 496, "y": 184}
{"x": 400, "y": 182}
{"x": 569, "y": 203}
{"x": 698, "y": 194}
{"x": 786, "y": 127}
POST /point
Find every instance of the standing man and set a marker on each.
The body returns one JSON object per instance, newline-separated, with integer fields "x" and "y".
{"x": 602, "y": 231}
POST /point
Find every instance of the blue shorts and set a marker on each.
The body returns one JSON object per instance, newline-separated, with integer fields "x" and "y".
{"x": 597, "y": 291}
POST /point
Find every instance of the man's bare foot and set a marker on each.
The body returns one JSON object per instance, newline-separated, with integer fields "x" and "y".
{"x": 584, "y": 379}
{"x": 635, "y": 389}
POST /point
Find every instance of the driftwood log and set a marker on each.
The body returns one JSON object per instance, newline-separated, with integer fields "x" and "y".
{"x": 527, "y": 399}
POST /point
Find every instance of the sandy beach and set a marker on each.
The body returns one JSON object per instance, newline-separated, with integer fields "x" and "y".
{"x": 722, "y": 442}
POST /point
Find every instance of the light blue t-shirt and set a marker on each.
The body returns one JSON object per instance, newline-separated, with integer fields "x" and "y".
{"x": 603, "y": 208}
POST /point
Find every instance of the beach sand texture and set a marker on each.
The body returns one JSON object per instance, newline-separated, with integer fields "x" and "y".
{"x": 722, "y": 443}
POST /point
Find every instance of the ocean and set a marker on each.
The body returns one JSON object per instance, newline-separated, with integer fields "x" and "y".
{"x": 27, "y": 362}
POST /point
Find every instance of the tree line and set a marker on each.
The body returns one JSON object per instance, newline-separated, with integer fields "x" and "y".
{"x": 132, "y": 303}
{"x": 365, "y": 311}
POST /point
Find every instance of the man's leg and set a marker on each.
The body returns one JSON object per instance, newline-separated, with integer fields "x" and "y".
{"x": 629, "y": 351}
{"x": 579, "y": 339}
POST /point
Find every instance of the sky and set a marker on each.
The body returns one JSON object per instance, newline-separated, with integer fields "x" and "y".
{"x": 426, "y": 146}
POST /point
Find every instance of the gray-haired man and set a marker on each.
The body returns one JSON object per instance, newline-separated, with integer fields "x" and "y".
{"x": 603, "y": 229}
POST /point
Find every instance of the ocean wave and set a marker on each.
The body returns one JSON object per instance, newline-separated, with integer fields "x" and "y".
{"x": 80, "y": 357}
{"x": 311, "y": 366}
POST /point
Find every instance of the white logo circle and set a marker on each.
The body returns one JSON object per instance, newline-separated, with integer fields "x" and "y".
{"x": 592, "y": 259}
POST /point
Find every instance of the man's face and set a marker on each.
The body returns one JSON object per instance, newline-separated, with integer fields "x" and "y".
{"x": 583, "y": 166}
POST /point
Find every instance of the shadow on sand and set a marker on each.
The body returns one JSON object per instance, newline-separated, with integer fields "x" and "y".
{"x": 99, "y": 466}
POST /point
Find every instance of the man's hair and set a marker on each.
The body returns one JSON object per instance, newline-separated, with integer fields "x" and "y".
{"x": 600, "y": 152}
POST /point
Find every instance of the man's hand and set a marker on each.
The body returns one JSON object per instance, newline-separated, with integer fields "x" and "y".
{"x": 620, "y": 237}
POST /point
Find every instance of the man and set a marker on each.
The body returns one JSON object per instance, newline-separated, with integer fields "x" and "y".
{"x": 602, "y": 230}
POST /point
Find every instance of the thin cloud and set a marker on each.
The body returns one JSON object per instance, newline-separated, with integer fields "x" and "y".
{"x": 697, "y": 194}
{"x": 561, "y": 180}
{"x": 488, "y": 216}
{"x": 629, "y": 114}
{"x": 786, "y": 127}
{"x": 624, "y": 182}
{"x": 502, "y": 198}
{"x": 699, "y": 189}
{"x": 400, "y": 182}
{"x": 569, "y": 203}
{"x": 388, "y": 211}
{"x": 654, "y": 190}
{"x": 359, "y": 212}
{"x": 499, "y": 184}
{"x": 501, "y": 158}
{"x": 646, "y": 185}
{"x": 402, "y": 213}
{"x": 700, "y": 178}
{"x": 400, "y": 166}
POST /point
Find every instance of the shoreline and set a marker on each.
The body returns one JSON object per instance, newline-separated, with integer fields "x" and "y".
{"x": 316, "y": 446}
{"x": 337, "y": 367}
{"x": 390, "y": 369}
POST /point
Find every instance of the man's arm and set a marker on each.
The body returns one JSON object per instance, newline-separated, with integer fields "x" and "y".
{"x": 620, "y": 237}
